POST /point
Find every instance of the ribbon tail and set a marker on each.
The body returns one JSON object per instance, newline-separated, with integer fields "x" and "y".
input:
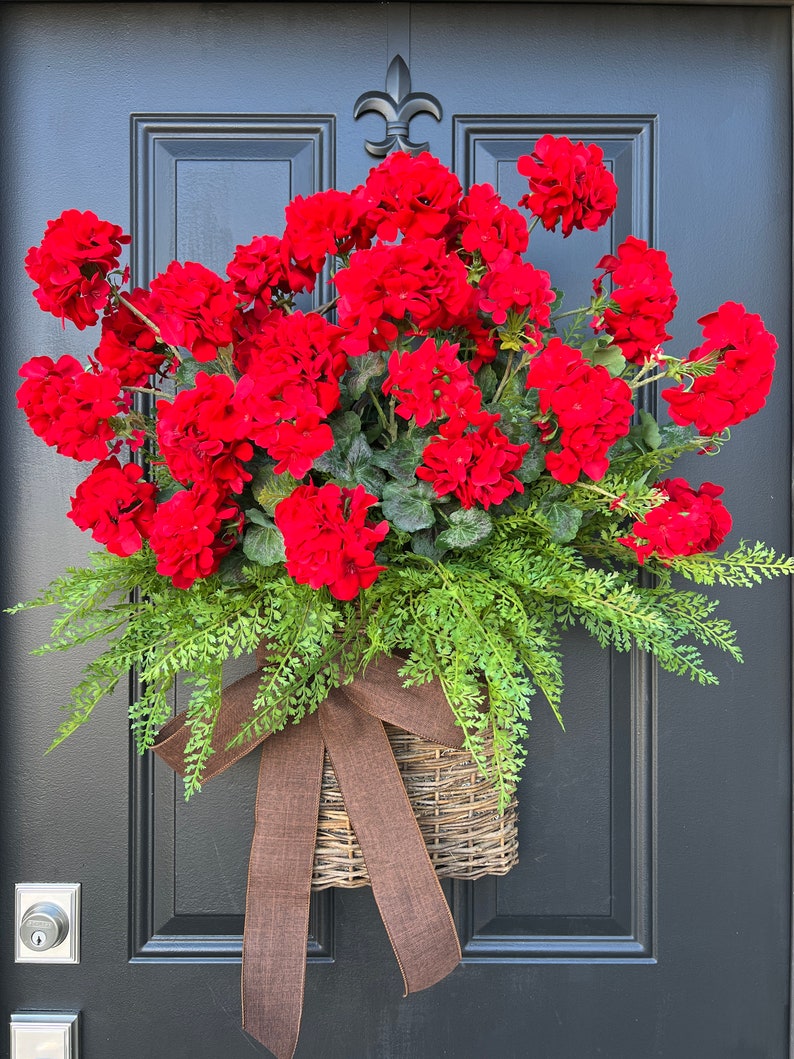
{"x": 235, "y": 708}
{"x": 406, "y": 888}
{"x": 279, "y": 885}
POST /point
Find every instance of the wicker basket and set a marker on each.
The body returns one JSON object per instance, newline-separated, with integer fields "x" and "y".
{"x": 455, "y": 807}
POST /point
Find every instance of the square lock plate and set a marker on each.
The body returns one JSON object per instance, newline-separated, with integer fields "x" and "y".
{"x": 61, "y": 897}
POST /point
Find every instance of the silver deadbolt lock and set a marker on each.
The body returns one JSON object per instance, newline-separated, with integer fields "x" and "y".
{"x": 43, "y": 926}
{"x": 47, "y": 923}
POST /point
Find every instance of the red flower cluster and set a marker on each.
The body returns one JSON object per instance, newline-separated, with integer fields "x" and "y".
{"x": 514, "y": 285}
{"x": 489, "y": 227}
{"x": 413, "y": 196}
{"x": 687, "y": 521}
{"x": 645, "y": 296}
{"x": 193, "y": 307}
{"x": 260, "y": 271}
{"x": 70, "y": 408}
{"x": 291, "y": 384}
{"x": 742, "y": 353}
{"x": 128, "y": 345}
{"x": 475, "y": 465}
{"x": 192, "y": 532}
{"x": 582, "y": 406}
{"x": 201, "y": 435}
{"x": 430, "y": 382}
{"x": 329, "y": 222}
{"x": 569, "y": 183}
{"x": 328, "y": 539}
{"x": 115, "y": 505}
{"x": 406, "y": 288}
{"x": 71, "y": 264}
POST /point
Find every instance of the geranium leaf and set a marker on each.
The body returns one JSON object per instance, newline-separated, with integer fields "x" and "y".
{"x": 264, "y": 545}
{"x": 650, "y": 430}
{"x": 408, "y": 508}
{"x": 402, "y": 458}
{"x": 562, "y": 519}
{"x": 467, "y": 527}
{"x": 269, "y": 488}
{"x": 362, "y": 371}
{"x": 609, "y": 357}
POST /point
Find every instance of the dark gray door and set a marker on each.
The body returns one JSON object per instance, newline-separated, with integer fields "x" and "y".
{"x": 649, "y": 915}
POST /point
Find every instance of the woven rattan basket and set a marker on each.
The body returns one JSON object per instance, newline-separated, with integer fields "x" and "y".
{"x": 455, "y": 807}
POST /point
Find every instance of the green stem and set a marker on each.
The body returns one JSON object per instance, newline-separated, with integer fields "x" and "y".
{"x": 378, "y": 409}
{"x": 506, "y": 377}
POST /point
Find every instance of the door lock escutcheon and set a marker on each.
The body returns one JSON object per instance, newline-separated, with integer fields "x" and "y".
{"x": 47, "y": 923}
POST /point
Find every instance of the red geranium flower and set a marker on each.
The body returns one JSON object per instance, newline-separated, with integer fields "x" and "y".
{"x": 260, "y": 270}
{"x": 742, "y": 353}
{"x": 130, "y": 346}
{"x": 201, "y": 435}
{"x": 489, "y": 227}
{"x": 513, "y": 285}
{"x": 71, "y": 263}
{"x": 430, "y": 382}
{"x": 472, "y": 459}
{"x": 569, "y": 183}
{"x": 115, "y": 505}
{"x": 328, "y": 222}
{"x": 194, "y": 308}
{"x": 687, "y": 522}
{"x": 582, "y": 407}
{"x": 70, "y": 408}
{"x": 645, "y": 297}
{"x": 413, "y": 195}
{"x": 410, "y": 287}
{"x": 192, "y": 532}
{"x": 328, "y": 539}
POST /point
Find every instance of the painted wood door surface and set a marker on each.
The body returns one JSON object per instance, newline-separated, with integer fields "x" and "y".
{"x": 649, "y": 915}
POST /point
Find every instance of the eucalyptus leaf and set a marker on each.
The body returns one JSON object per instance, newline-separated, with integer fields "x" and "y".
{"x": 650, "y": 430}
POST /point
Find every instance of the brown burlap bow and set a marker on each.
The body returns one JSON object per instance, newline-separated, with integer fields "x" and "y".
{"x": 349, "y": 724}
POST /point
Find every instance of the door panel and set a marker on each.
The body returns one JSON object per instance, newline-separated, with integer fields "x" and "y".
{"x": 649, "y": 914}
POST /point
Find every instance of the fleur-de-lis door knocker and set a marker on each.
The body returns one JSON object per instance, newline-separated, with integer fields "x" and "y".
{"x": 398, "y": 105}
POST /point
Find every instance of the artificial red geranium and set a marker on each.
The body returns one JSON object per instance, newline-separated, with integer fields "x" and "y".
{"x": 201, "y": 435}
{"x": 71, "y": 264}
{"x": 192, "y": 532}
{"x": 739, "y": 355}
{"x": 643, "y": 297}
{"x": 568, "y": 184}
{"x": 115, "y": 505}
{"x": 71, "y": 408}
{"x": 328, "y": 539}
{"x": 687, "y": 522}
{"x": 475, "y": 465}
{"x": 128, "y": 345}
{"x": 194, "y": 308}
{"x": 430, "y": 382}
{"x": 412, "y": 196}
{"x": 411, "y": 287}
{"x": 582, "y": 408}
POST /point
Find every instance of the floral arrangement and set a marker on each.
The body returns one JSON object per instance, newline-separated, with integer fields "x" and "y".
{"x": 442, "y": 462}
